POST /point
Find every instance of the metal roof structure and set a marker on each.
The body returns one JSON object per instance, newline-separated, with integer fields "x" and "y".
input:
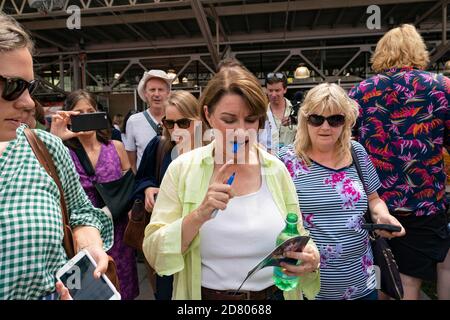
{"x": 119, "y": 39}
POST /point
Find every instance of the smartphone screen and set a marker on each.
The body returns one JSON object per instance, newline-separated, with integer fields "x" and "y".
{"x": 82, "y": 285}
{"x": 89, "y": 121}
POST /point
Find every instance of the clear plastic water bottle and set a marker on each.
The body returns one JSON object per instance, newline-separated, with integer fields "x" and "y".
{"x": 283, "y": 281}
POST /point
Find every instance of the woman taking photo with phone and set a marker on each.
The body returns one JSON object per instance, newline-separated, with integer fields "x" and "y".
{"x": 31, "y": 239}
{"x": 331, "y": 194}
{"x": 210, "y": 256}
{"x": 109, "y": 160}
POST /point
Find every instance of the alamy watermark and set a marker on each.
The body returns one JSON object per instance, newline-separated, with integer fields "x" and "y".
{"x": 374, "y": 20}
{"x": 74, "y": 20}
{"x": 74, "y": 279}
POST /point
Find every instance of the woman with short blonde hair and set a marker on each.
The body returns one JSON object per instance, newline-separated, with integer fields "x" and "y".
{"x": 331, "y": 194}
{"x": 400, "y": 47}
{"x": 326, "y": 96}
{"x": 404, "y": 126}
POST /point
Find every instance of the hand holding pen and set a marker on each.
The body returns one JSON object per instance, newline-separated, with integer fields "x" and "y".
{"x": 218, "y": 195}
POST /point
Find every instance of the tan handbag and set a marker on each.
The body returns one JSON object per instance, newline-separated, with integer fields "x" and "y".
{"x": 46, "y": 160}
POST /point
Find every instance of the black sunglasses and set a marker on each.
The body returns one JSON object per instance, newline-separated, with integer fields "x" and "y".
{"x": 14, "y": 87}
{"x": 182, "y": 123}
{"x": 275, "y": 75}
{"x": 336, "y": 120}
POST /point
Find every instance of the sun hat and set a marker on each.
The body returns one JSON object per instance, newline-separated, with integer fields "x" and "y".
{"x": 152, "y": 74}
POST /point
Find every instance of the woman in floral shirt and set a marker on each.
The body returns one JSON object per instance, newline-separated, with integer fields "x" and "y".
{"x": 331, "y": 195}
{"x": 404, "y": 124}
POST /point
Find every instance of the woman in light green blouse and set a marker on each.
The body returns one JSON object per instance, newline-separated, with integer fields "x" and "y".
{"x": 31, "y": 232}
{"x": 210, "y": 254}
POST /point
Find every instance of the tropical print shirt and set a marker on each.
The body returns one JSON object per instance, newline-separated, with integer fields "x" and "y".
{"x": 404, "y": 124}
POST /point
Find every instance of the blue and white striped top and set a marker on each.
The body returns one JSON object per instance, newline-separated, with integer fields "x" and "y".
{"x": 333, "y": 203}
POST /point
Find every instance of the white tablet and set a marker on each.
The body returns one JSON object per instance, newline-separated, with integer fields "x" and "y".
{"x": 78, "y": 276}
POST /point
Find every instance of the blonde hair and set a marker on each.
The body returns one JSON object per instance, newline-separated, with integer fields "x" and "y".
{"x": 185, "y": 103}
{"x": 12, "y": 35}
{"x": 400, "y": 47}
{"x": 331, "y": 98}
{"x": 237, "y": 81}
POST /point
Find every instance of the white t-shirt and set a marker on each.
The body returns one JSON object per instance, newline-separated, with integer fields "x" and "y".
{"x": 138, "y": 134}
{"x": 237, "y": 239}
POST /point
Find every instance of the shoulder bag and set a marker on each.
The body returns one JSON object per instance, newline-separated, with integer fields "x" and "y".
{"x": 46, "y": 160}
{"x": 391, "y": 283}
{"x": 115, "y": 194}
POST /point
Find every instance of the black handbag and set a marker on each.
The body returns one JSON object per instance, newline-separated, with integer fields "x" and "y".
{"x": 116, "y": 194}
{"x": 383, "y": 257}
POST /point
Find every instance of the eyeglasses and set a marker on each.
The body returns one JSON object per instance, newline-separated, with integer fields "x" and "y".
{"x": 14, "y": 87}
{"x": 182, "y": 123}
{"x": 275, "y": 75}
{"x": 334, "y": 121}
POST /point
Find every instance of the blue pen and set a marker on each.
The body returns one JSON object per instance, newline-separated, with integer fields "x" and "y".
{"x": 229, "y": 182}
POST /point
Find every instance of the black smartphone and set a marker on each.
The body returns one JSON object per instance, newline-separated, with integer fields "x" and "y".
{"x": 385, "y": 227}
{"x": 89, "y": 121}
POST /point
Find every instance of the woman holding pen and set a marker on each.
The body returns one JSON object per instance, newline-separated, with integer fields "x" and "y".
{"x": 209, "y": 229}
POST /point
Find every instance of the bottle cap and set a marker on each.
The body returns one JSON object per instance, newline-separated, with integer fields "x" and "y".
{"x": 292, "y": 217}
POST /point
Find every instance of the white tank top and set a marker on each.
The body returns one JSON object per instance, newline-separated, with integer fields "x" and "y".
{"x": 237, "y": 239}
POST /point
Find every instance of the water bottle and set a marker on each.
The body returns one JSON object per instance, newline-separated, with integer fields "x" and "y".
{"x": 283, "y": 281}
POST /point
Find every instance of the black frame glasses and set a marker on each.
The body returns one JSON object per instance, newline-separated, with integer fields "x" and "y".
{"x": 183, "y": 123}
{"x": 14, "y": 87}
{"x": 335, "y": 120}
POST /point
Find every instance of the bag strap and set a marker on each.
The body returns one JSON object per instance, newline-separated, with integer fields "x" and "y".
{"x": 367, "y": 216}
{"x": 159, "y": 158}
{"x": 46, "y": 160}
{"x": 152, "y": 123}
{"x": 84, "y": 160}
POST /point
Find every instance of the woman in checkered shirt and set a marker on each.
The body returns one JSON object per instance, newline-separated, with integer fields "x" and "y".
{"x": 31, "y": 230}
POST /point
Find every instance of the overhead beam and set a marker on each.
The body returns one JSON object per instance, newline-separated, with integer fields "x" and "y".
{"x": 338, "y": 17}
{"x": 429, "y": 12}
{"x": 54, "y": 43}
{"x": 105, "y": 9}
{"x": 184, "y": 29}
{"x": 292, "y": 24}
{"x": 316, "y": 20}
{"x": 388, "y": 14}
{"x": 233, "y": 10}
{"x": 164, "y": 30}
{"x": 203, "y": 24}
{"x": 440, "y": 51}
{"x": 233, "y": 39}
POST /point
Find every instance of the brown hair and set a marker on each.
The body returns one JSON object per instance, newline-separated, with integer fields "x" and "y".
{"x": 400, "y": 47}
{"x": 12, "y": 35}
{"x": 235, "y": 81}
{"x": 103, "y": 136}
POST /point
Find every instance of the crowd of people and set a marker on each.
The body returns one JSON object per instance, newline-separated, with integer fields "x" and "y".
{"x": 205, "y": 234}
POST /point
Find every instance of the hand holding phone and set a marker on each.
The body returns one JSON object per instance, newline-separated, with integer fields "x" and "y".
{"x": 379, "y": 226}
{"x": 89, "y": 121}
{"x": 77, "y": 275}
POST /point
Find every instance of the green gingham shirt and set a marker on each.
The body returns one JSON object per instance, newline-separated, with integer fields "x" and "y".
{"x": 31, "y": 229}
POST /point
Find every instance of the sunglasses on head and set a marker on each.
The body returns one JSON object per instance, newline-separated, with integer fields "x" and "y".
{"x": 275, "y": 75}
{"x": 336, "y": 120}
{"x": 182, "y": 123}
{"x": 14, "y": 87}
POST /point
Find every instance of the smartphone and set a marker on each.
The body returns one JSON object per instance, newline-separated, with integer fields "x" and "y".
{"x": 89, "y": 121}
{"x": 78, "y": 276}
{"x": 385, "y": 227}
